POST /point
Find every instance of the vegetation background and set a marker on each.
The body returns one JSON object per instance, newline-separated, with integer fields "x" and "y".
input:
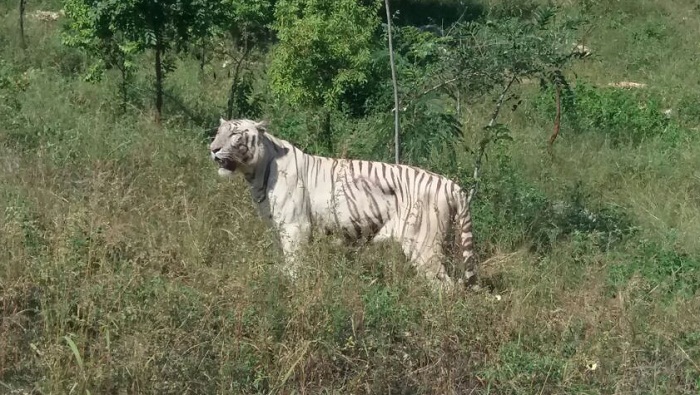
{"x": 128, "y": 266}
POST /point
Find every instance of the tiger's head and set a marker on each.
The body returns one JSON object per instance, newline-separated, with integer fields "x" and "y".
{"x": 238, "y": 144}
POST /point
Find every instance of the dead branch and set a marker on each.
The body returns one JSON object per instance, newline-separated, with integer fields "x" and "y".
{"x": 557, "y": 118}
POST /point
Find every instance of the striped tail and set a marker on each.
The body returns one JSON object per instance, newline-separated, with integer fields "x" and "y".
{"x": 463, "y": 220}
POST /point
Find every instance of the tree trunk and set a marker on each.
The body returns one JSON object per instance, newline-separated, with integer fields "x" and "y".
{"x": 326, "y": 132}
{"x": 123, "y": 87}
{"x": 22, "y": 6}
{"x": 234, "y": 84}
{"x": 232, "y": 96}
{"x": 159, "y": 79}
{"x": 397, "y": 128}
{"x": 203, "y": 60}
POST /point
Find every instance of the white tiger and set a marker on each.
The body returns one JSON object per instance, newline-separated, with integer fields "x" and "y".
{"x": 365, "y": 200}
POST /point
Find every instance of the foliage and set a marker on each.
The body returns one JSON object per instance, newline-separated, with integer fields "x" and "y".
{"x": 486, "y": 54}
{"x": 324, "y": 50}
{"x": 666, "y": 271}
{"x": 244, "y": 27}
{"x": 246, "y": 21}
{"x": 117, "y": 31}
{"x": 89, "y": 30}
{"x": 12, "y": 83}
{"x": 620, "y": 116}
{"x": 478, "y": 57}
{"x": 515, "y": 211}
{"x": 435, "y": 14}
{"x": 138, "y": 23}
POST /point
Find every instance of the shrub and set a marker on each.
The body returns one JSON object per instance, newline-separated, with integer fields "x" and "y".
{"x": 514, "y": 211}
{"x": 620, "y": 116}
{"x": 666, "y": 271}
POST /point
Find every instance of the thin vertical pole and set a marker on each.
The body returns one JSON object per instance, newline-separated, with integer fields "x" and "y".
{"x": 397, "y": 128}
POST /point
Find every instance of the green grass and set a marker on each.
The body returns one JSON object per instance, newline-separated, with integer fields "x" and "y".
{"x": 128, "y": 266}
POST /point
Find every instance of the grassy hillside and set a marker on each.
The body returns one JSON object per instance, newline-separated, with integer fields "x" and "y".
{"x": 128, "y": 266}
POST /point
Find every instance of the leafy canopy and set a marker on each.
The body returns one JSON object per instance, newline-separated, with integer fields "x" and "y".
{"x": 116, "y": 30}
{"x": 324, "y": 51}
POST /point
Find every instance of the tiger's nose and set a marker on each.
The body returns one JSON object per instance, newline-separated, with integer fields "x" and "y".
{"x": 213, "y": 153}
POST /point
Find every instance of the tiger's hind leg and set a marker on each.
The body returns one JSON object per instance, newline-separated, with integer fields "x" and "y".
{"x": 428, "y": 262}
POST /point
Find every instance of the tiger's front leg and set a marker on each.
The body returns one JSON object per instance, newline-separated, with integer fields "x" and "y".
{"x": 292, "y": 237}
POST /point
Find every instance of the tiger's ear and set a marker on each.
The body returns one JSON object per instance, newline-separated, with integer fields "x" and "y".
{"x": 261, "y": 126}
{"x": 221, "y": 121}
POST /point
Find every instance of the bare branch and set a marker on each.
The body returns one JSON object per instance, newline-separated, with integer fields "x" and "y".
{"x": 440, "y": 85}
{"x": 557, "y": 119}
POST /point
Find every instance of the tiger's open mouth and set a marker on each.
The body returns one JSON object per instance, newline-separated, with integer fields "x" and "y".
{"x": 226, "y": 164}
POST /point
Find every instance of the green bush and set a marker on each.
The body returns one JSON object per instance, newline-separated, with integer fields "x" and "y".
{"x": 621, "y": 116}
{"x": 513, "y": 211}
{"x": 688, "y": 108}
{"x": 324, "y": 50}
{"x": 666, "y": 271}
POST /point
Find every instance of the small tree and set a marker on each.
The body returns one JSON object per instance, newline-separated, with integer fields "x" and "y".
{"x": 497, "y": 54}
{"x": 90, "y": 31}
{"x": 117, "y": 30}
{"x": 442, "y": 72}
{"x": 324, "y": 52}
{"x": 243, "y": 25}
